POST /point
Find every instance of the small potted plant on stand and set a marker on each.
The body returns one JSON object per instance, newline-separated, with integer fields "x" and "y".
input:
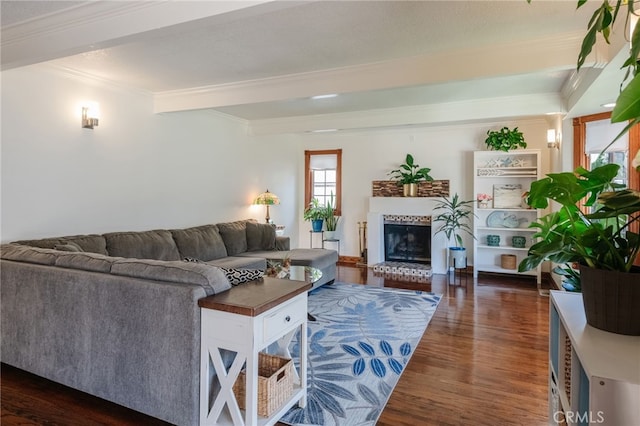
{"x": 601, "y": 243}
{"x": 455, "y": 219}
{"x": 505, "y": 139}
{"x": 316, "y": 214}
{"x": 409, "y": 175}
{"x": 331, "y": 220}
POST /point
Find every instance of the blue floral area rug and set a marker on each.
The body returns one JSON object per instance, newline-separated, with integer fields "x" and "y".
{"x": 359, "y": 345}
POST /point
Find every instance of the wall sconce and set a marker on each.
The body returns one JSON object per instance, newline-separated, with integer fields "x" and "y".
{"x": 553, "y": 139}
{"x": 90, "y": 116}
{"x": 267, "y": 199}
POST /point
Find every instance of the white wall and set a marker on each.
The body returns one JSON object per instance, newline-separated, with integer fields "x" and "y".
{"x": 135, "y": 171}
{"x": 139, "y": 171}
{"x": 370, "y": 155}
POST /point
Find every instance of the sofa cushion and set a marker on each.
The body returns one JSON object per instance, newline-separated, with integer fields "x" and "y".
{"x": 234, "y": 235}
{"x": 92, "y": 243}
{"x": 201, "y": 242}
{"x": 260, "y": 236}
{"x": 316, "y": 257}
{"x": 239, "y": 262}
{"x": 27, "y": 254}
{"x": 240, "y": 276}
{"x": 93, "y": 262}
{"x": 68, "y": 246}
{"x": 157, "y": 244}
{"x": 212, "y": 279}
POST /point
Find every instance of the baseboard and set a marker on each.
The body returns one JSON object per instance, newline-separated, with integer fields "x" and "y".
{"x": 349, "y": 260}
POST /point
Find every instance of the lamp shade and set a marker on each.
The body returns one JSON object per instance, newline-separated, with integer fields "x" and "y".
{"x": 267, "y": 199}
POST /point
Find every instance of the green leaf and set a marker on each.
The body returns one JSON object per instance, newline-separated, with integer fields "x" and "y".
{"x": 587, "y": 44}
{"x": 628, "y": 102}
{"x": 409, "y": 160}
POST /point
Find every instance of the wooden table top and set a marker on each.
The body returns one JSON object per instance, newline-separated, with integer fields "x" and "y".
{"x": 255, "y": 297}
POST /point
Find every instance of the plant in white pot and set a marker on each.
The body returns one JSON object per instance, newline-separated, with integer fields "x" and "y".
{"x": 409, "y": 175}
{"x": 454, "y": 215}
{"x": 330, "y": 219}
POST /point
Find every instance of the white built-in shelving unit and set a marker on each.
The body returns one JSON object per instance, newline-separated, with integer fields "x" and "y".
{"x": 495, "y": 171}
{"x": 594, "y": 375}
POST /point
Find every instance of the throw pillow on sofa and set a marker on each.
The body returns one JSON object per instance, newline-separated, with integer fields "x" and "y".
{"x": 261, "y": 236}
{"x": 235, "y": 276}
{"x": 68, "y": 247}
{"x": 240, "y": 276}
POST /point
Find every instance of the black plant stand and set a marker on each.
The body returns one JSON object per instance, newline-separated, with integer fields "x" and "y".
{"x": 459, "y": 270}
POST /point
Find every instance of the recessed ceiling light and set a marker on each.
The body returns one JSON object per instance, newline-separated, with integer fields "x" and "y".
{"x": 329, "y": 95}
{"x": 609, "y": 105}
{"x": 324, "y": 130}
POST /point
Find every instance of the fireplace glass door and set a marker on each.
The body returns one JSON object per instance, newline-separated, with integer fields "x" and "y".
{"x": 407, "y": 243}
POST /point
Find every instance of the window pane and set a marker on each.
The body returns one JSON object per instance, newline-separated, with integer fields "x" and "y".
{"x": 322, "y": 176}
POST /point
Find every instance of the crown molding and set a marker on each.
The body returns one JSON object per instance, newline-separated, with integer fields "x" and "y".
{"x": 91, "y": 79}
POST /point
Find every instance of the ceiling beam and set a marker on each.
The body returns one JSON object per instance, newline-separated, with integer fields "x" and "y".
{"x": 424, "y": 115}
{"x": 497, "y": 60}
{"x": 101, "y": 24}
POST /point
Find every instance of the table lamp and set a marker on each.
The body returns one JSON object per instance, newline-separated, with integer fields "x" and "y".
{"x": 267, "y": 199}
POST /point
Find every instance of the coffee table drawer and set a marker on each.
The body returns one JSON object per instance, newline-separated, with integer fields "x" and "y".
{"x": 286, "y": 316}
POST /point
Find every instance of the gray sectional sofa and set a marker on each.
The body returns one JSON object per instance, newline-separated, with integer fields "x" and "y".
{"x": 116, "y": 315}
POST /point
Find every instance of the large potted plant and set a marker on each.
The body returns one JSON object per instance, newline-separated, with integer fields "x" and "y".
{"x": 600, "y": 242}
{"x": 454, "y": 215}
{"x": 330, "y": 218}
{"x": 316, "y": 214}
{"x": 409, "y": 175}
{"x": 505, "y": 139}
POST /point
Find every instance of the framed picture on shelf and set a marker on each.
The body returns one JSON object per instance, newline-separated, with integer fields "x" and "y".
{"x": 507, "y": 196}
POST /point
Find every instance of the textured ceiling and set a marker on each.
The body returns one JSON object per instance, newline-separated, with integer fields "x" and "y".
{"x": 298, "y": 40}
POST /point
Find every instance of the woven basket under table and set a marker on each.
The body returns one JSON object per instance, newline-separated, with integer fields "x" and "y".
{"x": 275, "y": 383}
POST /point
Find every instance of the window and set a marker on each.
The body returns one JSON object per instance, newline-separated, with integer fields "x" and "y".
{"x": 592, "y": 133}
{"x": 323, "y": 171}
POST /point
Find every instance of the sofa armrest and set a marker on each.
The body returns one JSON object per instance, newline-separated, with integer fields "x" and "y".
{"x": 282, "y": 243}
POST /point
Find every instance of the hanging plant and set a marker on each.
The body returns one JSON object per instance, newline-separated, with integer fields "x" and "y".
{"x": 505, "y": 139}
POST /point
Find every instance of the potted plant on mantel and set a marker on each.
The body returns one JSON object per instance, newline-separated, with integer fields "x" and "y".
{"x": 331, "y": 220}
{"x": 316, "y": 214}
{"x": 601, "y": 242}
{"x": 505, "y": 139}
{"x": 455, "y": 218}
{"x": 409, "y": 175}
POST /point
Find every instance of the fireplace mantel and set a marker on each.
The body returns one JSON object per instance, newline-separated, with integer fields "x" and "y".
{"x": 414, "y": 206}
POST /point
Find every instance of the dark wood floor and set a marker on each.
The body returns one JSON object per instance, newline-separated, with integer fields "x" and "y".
{"x": 482, "y": 361}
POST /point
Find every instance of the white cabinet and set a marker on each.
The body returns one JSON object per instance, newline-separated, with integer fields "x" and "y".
{"x": 594, "y": 375}
{"x": 245, "y": 320}
{"x": 504, "y": 176}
